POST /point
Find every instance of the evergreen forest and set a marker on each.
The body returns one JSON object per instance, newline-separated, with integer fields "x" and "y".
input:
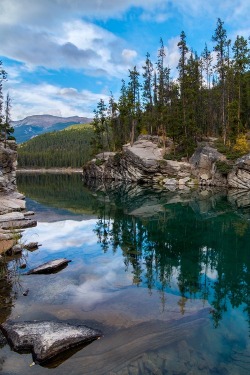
{"x": 210, "y": 97}
{"x": 70, "y": 147}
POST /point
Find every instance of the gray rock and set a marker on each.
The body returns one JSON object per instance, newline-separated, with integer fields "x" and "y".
{"x": 50, "y": 267}
{"x": 29, "y": 213}
{"x": 20, "y": 224}
{"x": 8, "y": 158}
{"x": 240, "y": 176}
{"x": 16, "y": 249}
{"x": 46, "y": 339}
{"x": 12, "y": 216}
{"x": 31, "y": 246}
{"x": 203, "y": 166}
{"x": 144, "y": 162}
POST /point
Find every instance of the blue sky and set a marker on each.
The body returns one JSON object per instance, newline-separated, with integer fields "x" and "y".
{"x": 62, "y": 56}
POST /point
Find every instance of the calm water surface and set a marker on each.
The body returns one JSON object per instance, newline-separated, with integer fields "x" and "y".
{"x": 164, "y": 275}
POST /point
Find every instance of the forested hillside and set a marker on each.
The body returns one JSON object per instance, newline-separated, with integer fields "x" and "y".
{"x": 209, "y": 97}
{"x": 66, "y": 148}
{"x": 32, "y": 126}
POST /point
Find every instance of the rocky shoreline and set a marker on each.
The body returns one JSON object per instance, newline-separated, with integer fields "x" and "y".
{"x": 146, "y": 162}
{"x": 13, "y": 215}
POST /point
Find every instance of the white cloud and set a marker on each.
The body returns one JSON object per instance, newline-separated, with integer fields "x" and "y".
{"x": 37, "y": 12}
{"x": 172, "y": 54}
{"x": 129, "y": 54}
{"x": 60, "y": 235}
{"x": 76, "y": 45}
{"x": 44, "y": 98}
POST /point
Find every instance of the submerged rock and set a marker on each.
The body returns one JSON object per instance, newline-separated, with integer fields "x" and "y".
{"x": 46, "y": 339}
{"x": 31, "y": 246}
{"x": 50, "y": 267}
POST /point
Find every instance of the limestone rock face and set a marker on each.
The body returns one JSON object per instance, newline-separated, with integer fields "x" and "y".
{"x": 8, "y": 163}
{"x": 240, "y": 175}
{"x": 144, "y": 162}
{"x": 141, "y": 162}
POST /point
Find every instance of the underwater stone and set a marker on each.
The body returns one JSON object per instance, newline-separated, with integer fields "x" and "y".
{"x": 50, "y": 267}
{"x": 46, "y": 339}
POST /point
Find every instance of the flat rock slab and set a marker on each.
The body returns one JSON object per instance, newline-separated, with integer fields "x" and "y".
{"x": 50, "y": 267}
{"x": 11, "y": 203}
{"x": 19, "y": 224}
{"x": 46, "y": 339}
{"x": 12, "y": 216}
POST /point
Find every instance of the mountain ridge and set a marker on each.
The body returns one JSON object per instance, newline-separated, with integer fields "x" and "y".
{"x": 49, "y": 120}
{"x": 34, "y": 125}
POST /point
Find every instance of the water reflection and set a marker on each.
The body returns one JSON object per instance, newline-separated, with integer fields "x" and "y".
{"x": 201, "y": 240}
{"x": 195, "y": 245}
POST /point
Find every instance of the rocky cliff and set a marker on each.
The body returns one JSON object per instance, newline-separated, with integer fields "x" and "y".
{"x": 8, "y": 163}
{"x": 144, "y": 162}
{"x": 13, "y": 217}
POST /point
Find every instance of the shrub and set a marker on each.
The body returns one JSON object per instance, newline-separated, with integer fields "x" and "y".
{"x": 99, "y": 162}
{"x": 223, "y": 167}
{"x": 117, "y": 158}
{"x": 241, "y": 146}
{"x": 232, "y": 153}
{"x": 177, "y": 156}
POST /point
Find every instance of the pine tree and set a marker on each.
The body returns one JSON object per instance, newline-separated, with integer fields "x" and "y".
{"x": 6, "y": 126}
{"x": 134, "y": 102}
{"x": 3, "y": 77}
{"x": 147, "y": 93}
{"x": 241, "y": 61}
{"x": 220, "y": 37}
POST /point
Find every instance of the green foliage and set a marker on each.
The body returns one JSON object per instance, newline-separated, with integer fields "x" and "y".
{"x": 70, "y": 147}
{"x": 11, "y": 138}
{"x": 117, "y": 158}
{"x": 206, "y": 99}
{"x": 174, "y": 156}
{"x": 241, "y": 146}
{"x": 231, "y": 153}
{"x": 223, "y": 167}
{"x": 99, "y": 162}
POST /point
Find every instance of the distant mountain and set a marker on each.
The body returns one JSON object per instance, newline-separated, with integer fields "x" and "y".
{"x": 32, "y": 126}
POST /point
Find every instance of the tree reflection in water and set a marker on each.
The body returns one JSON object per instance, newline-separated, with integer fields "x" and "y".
{"x": 198, "y": 242}
{"x": 193, "y": 244}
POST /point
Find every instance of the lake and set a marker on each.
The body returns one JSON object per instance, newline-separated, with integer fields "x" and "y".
{"x": 164, "y": 275}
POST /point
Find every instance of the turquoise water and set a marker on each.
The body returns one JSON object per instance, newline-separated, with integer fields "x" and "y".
{"x": 164, "y": 275}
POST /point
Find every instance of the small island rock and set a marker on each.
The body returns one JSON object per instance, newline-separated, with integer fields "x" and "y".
{"x": 50, "y": 267}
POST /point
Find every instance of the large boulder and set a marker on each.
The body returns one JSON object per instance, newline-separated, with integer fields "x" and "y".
{"x": 240, "y": 175}
{"x": 141, "y": 162}
{"x": 203, "y": 166}
{"x": 46, "y": 339}
{"x": 135, "y": 163}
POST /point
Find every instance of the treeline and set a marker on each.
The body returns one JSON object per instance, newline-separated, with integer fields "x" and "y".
{"x": 210, "y": 97}
{"x": 5, "y": 107}
{"x": 70, "y": 147}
